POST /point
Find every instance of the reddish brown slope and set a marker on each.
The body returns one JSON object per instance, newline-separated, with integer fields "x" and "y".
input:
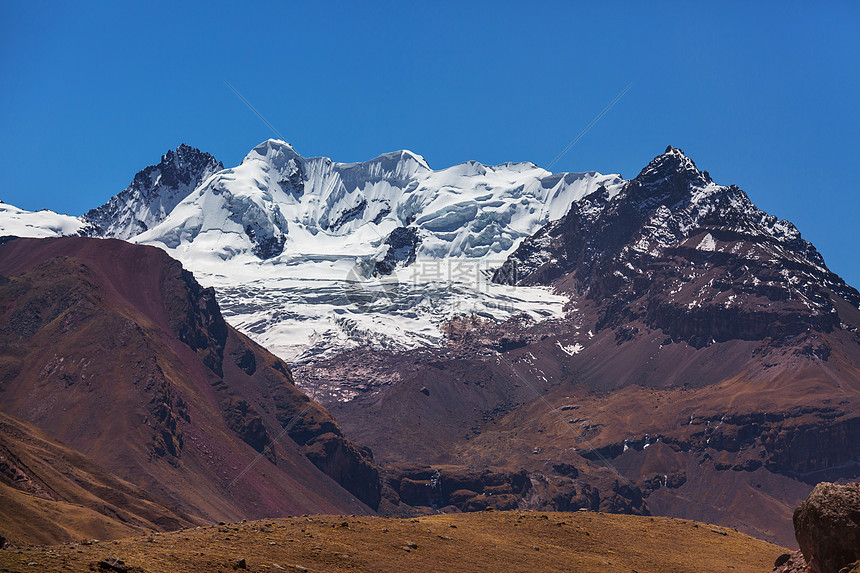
{"x": 51, "y": 494}
{"x": 116, "y": 351}
{"x": 737, "y": 432}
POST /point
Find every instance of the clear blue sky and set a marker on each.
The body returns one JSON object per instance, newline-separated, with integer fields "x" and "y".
{"x": 763, "y": 95}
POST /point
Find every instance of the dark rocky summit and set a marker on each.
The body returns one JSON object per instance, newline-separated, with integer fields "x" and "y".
{"x": 694, "y": 259}
{"x": 153, "y": 193}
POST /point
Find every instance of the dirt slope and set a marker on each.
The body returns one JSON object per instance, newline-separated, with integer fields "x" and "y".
{"x": 485, "y": 541}
{"x": 50, "y": 493}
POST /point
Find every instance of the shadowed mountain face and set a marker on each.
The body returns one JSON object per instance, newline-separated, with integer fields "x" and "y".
{"x": 115, "y": 351}
{"x": 708, "y": 362}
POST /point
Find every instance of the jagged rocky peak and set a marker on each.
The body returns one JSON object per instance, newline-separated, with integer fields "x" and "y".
{"x": 668, "y": 179}
{"x": 679, "y": 252}
{"x": 673, "y": 161}
{"x": 153, "y": 193}
{"x": 185, "y": 162}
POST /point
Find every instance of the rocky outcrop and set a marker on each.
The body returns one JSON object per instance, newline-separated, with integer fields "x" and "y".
{"x": 553, "y": 492}
{"x": 455, "y": 488}
{"x": 827, "y": 527}
{"x": 402, "y": 245}
{"x": 348, "y": 464}
{"x": 790, "y": 563}
{"x": 804, "y": 443}
{"x": 458, "y": 488}
{"x": 194, "y": 314}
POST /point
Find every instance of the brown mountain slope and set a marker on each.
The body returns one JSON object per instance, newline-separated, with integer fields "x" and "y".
{"x": 117, "y": 352}
{"x": 733, "y": 433}
{"x": 50, "y": 494}
{"x": 486, "y": 541}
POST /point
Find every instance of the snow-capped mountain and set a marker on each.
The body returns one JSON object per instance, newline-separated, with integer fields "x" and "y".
{"x": 700, "y": 342}
{"x": 310, "y": 255}
{"x": 707, "y": 354}
{"x": 696, "y": 259}
{"x": 153, "y": 193}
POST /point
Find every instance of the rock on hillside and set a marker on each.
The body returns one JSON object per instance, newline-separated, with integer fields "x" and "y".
{"x": 827, "y": 527}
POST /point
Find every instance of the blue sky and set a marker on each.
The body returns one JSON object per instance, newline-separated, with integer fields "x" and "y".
{"x": 763, "y": 95}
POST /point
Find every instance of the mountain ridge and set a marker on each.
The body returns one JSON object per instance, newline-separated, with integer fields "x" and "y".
{"x": 315, "y": 235}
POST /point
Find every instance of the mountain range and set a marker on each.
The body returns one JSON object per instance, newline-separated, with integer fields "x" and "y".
{"x": 499, "y": 337}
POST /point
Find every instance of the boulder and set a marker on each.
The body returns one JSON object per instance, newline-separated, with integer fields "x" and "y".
{"x": 113, "y": 564}
{"x": 827, "y": 527}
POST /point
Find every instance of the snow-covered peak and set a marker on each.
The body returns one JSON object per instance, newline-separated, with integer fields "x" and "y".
{"x": 404, "y": 155}
{"x": 296, "y": 246}
{"x": 272, "y": 150}
{"x": 20, "y": 223}
{"x": 672, "y": 164}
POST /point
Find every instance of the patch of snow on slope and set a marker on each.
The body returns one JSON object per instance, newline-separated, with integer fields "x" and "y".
{"x": 707, "y": 244}
{"x": 20, "y": 223}
{"x": 571, "y": 349}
